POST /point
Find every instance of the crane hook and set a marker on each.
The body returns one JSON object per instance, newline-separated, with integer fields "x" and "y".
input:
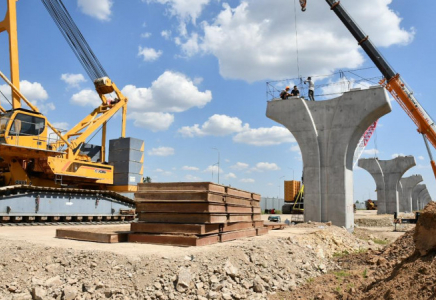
{"x": 303, "y": 5}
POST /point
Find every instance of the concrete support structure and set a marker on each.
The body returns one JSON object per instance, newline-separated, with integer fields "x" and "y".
{"x": 416, "y": 191}
{"x": 423, "y": 198}
{"x": 392, "y": 171}
{"x": 373, "y": 167}
{"x": 408, "y": 184}
{"x": 327, "y": 133}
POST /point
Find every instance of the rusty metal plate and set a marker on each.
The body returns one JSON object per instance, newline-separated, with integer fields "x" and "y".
{"x": 175, "y": 240}
{"x": 182, "y": 218}
{"x": 233, "y": 235}
{"x": 180, "y": 207}
{"x": 199, "y": 229}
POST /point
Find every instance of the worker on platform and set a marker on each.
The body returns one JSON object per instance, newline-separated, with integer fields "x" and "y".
{"x": 311, "y": 88}
{"x": 285, "y": 93}
{"x": 295, "y": 92}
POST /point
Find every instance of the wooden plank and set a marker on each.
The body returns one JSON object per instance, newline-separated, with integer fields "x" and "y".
{"x": 261, "y": 231}
{"x": 180, "y": 207}
{"x": 186, "y": 196}
{"x": 182, "y": 186}
{"x": 182, "y": 218}
{"x": 175, "y": 240}
{"x": 238, "y": 193}
{"x": 92, "y": 236}
{"x": 200, "y": 229}
{"x": 238, "y": 201}
{"x": 256, "y": 197}
{"x": 240, "y": 218}
{"x": 239, "y": 209}
{"x": 236, "y": 226}
{"x": 258, "y": 224}
{"x": 257, "y": 210}
{"x": 255, "y": 203}
{"x": 274, "y": 226}
{"x": 233, "y": 235}
{"x": 257, "y": 217}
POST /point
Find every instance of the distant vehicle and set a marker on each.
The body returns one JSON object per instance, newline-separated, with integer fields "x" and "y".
{"x": 370, "y": 205}
{"x": 276, "y": 219}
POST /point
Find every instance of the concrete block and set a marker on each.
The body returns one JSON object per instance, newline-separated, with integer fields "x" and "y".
{"x": 126, "y": 155}
{"x": 327, "y": 133}
{"x": 126, "y": 143}
{"x": 127, "y": 167}
{"x": 127, "y": 178}
{"x": 93, "y": 151}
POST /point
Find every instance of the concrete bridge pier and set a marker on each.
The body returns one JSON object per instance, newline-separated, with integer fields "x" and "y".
{"x": 423, "y": 198}
{"x": 373, "y": 167}
{"x": 416, "y": 191}
{"x": 408, "y": 184}
{"x": 327, "y": 133}
{"x": 393, "y": 170}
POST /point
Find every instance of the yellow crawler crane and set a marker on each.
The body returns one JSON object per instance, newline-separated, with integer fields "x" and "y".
{"x": 46, "y": 174}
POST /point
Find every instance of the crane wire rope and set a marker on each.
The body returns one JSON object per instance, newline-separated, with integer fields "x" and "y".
{"x": 6, "y": 98}
{"x": 74, "y": 38}
{"x": 296, "y": 40}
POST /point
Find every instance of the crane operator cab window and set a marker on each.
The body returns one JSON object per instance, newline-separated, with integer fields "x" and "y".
{"x": 25, "y": 129}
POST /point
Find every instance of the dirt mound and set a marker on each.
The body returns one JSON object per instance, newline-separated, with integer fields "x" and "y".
{"x": 398, "y": 271}
{"x": 425, "y": 233}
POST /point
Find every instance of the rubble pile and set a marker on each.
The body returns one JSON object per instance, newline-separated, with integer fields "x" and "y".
{"x": 256, "y": 268}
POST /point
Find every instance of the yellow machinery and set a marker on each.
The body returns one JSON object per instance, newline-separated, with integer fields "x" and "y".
{"x": 40, "y": 162}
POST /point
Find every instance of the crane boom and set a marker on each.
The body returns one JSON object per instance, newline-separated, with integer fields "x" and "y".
{"x": 392, "y": 80}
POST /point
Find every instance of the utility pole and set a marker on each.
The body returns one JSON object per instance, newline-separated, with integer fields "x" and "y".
{"x": 218, "y": 164}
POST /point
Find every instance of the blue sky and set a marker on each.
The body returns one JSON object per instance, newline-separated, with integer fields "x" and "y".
{"x": 195, "y": 73}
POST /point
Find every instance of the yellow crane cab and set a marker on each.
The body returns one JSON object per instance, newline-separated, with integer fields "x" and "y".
{"x": 23, "y": 128}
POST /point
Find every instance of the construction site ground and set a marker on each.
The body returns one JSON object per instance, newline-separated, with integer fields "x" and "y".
{"x": 36, "y": 265}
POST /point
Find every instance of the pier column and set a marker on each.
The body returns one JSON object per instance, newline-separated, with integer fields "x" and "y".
{"x": 327, "y": 133}
{"x": 416, "y": 191}
{"x": 373, "y": 167}
{"x": 408, "y": 184}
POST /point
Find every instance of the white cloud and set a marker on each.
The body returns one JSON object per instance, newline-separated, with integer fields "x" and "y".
{"x": 247, "y": 39}
{"x": 146, "y": 35}
{"x": 247, "y": 180}
{"x": 216, "y": 125}
{"x": 60, "y": 126}
{"x": 166, "y": 34}
{"x": 295, "y": 148}
{"x": 86, "y": 98}
{"x": 161, "y": 151}
{"x": 265, "y": 166}
{"x": 274, "y": 135}
{"x": 34, "y": 92}
{"x": 371, "y": 151}
{"x": 213, "y": 169}
{"x": 163, "y": 172}
{"x": 192, "y": 178}
{"x": 189, "y": 168}
{"x": 421, "y": 157}
{"x": 230, "y": 176}
{"x": 99, "y": 9}
{"x": 155, "y": 121}
{"x": 397, "y": 155}
{"x": 149, "y": 54}
{"x": 184, "y": 9}
{"x": 73, "y": 80}
{"x": 240, "y": 166}
{"x": 182, "y": 95}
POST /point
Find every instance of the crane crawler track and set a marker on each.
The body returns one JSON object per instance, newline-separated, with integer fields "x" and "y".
{"x": 23, "y": 204}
